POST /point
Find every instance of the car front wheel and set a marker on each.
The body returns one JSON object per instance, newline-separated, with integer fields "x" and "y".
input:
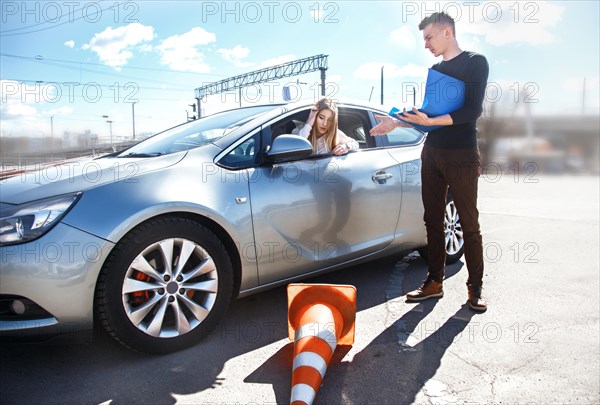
{"x": 165, "y": 285}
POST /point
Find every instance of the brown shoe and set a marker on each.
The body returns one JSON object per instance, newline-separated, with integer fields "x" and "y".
{"x": 476, "y": 301}
{"x": 429, "y": 289}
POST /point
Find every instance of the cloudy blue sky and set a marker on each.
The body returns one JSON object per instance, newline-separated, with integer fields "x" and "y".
{"x": 72, "y": 62}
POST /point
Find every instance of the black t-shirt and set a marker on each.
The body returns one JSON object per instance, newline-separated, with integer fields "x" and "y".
{"x": 472, "y": 68}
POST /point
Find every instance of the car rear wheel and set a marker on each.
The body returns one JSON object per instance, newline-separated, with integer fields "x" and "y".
{"x": 454, "y": 234}
{"x": 164, "y": 286}
{"x": 454, "y": 238}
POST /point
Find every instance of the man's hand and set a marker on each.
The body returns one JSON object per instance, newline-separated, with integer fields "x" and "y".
{"x": 421, "y": 118}
{"x": 418, "y": 117}
{"x": 387, "y": 124}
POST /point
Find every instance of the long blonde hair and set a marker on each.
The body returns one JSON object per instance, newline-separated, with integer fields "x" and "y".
{"x": 331, "y": 133}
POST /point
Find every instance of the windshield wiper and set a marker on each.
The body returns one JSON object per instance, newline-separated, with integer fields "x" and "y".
{"x": 142, "y": 154}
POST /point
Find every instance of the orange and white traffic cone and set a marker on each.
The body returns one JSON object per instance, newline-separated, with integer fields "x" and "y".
{"x": 320, "y": 317}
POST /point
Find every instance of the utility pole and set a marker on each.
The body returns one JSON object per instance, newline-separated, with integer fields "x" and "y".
{"x": 111, "y": 138}
{"x": 583, "y": 99}
{"x": 133, "y": 117}
{"x": 382, "y": 85}
{"x": 110, "y": 127}
{"x": 52, "y": 137}
{"x": 323, "y": 69}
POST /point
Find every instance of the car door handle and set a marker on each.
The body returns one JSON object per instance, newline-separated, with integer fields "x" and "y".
{"x": 381, "y": 177}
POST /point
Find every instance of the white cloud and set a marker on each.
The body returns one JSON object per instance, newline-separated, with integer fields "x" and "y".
{"x": 180, "y": 52}
{"x": 18, "y": 99}
{"x": 404, "y": 36}
{"x": 70, "y": 44}
{"x": 277, "y": 61}
{"x": 113, "y": 46}
{"x": 504, "y": 23}
{"x": 235, "y": 55}
{"x": 145, "y": 48}
{"x": 372, "y": 71}
{"x": 18, "y": 110}
{"x": 59, "y": 111}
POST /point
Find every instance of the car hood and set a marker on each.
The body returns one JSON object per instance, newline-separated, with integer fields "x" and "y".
{"x": 78, "y": 176}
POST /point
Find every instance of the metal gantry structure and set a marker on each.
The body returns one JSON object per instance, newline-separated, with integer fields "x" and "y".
{"x": 289, "y": 69}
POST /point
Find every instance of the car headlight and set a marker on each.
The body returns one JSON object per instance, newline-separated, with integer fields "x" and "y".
{"x": 25, "y": 222}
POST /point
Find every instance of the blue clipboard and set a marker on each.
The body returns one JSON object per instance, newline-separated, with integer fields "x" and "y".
{"x": 443, "y": 94}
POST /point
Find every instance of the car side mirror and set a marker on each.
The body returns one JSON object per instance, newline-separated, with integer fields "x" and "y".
{"x": 289, "y": 147}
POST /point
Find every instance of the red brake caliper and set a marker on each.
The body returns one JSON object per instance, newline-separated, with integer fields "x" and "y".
{"x": 139, "y": 297}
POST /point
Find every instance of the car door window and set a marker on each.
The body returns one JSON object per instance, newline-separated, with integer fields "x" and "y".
{"x": 353, "y": 123}
{"x": 398, "y": 137}
{"x": 290, "y": 124}
{"x": 243, "y": 155}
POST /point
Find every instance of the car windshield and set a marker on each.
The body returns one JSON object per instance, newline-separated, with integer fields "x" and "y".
{"x": 194, "y": 134}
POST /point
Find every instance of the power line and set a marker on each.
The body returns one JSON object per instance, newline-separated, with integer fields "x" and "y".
{"x": 110, "y": 95}
{"x": 83, "y": 15}
{"x": 40, "y": 59}
{"x": 95, "y": 84}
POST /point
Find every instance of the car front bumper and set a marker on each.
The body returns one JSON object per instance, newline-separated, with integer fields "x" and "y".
{"x": 47, "y": 285}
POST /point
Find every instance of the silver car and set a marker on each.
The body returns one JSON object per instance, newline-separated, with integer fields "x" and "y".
{"x": 154, "y": 242}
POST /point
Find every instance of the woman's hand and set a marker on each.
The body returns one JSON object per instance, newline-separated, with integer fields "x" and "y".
{"x": 341, "y": 149}
{"x": 312, "y": 116}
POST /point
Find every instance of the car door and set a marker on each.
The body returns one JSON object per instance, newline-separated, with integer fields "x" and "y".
{"x": 313, "y": 213}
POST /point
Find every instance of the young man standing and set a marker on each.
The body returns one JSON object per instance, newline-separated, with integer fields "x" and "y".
{"x": 450, "y": 160}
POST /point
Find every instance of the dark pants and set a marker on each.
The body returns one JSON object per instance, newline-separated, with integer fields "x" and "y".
{"x": 456, "y": 170}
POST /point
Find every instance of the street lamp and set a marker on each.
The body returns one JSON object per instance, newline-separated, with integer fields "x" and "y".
{"x": 110, "y": 127}
{"x": 111, "y": 138}
{"x": 133, "y": 117}
{"x": 52, "y": 137}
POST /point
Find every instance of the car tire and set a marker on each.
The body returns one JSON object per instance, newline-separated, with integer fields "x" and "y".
{"x": 149, "y": 302}
{"x": 455, "y": 243}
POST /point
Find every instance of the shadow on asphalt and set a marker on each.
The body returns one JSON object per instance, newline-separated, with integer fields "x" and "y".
{"x": 413, "y": 367}
{"x": 102, "y": 370}
{"x": 361, "y": 380}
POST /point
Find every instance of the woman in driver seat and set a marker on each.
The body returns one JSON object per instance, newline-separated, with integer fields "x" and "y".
{"x": 322, "y": 131}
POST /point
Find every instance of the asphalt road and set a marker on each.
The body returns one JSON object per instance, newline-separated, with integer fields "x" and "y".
{"x": 537, "y": 343}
